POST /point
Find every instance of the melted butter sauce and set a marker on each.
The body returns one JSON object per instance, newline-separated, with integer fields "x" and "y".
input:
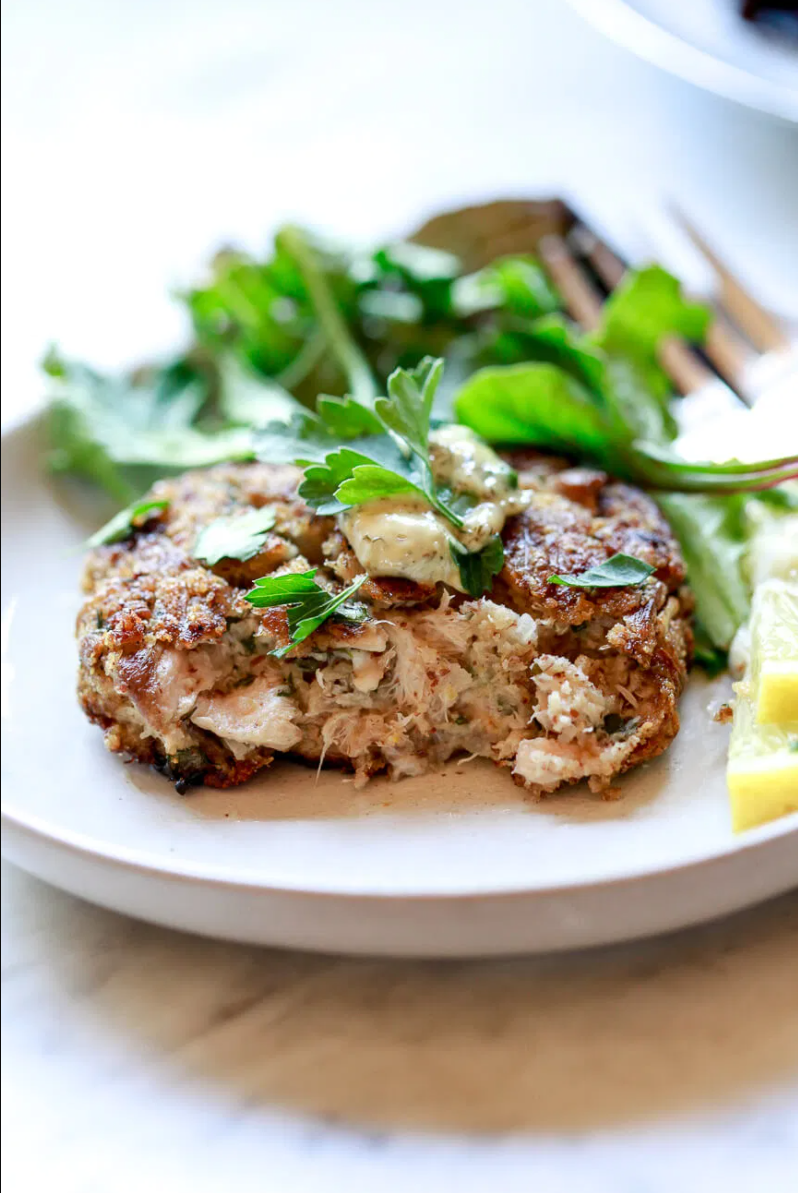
{"x": 405, "y": 538}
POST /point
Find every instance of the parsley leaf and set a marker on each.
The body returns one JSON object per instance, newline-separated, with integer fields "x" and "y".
{"x": 620, "y": 571}
{"x": 237, "y": 537}
{"x": 347, "y": 418}
{"x": 301, "y": 440}
{"x": 322, "y": 481}
{"x": 406, "y": 412}
{"x": 370, "y": 482}
{"x": 308, "y": 604}
{"x": 477, "y": 568}
{"x": 386, "y": 449}
{"x": 120, "y": 526}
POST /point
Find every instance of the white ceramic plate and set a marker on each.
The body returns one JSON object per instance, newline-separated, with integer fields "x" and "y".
{"x": 707, "y": 43}
{"x": 452, "y": 865}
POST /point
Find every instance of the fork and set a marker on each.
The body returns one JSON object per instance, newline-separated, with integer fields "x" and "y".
{"x": 747, "y": 356}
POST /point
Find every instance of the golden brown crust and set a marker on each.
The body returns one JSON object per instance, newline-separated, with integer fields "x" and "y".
{"x": 558, "y": 535}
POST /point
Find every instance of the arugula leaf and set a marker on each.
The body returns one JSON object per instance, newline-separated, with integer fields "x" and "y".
{"x": 556, "y": 341}
{"x": 619, "y": 571}
{"x": 633, "y": 404}
{"x": 477, "y": 568}
{"x": 661, "y": 468}
{"x": 706, "y": 654}
{"x": 250, "y": 400}
{"x": 647, "y": 307}
{"x": 123, "y": 434}
{"x": 541, "y": 405}
{"x": 516, "y": 284}
{"x": 532, "y": 403}
{"x": 713, "y": 537}
{"x": 260, "y": 311}
{"x": 120, "y": 526}
{"x": 308, "y": 604}
{"x": 636, "y": 319}
{"x": 298, "y": 246}
{"x": 238, "y": 537}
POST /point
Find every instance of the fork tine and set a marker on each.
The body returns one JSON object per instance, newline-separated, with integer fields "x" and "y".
{"x": 583, "y": 301}
{"x": 728, "y": 354}
{"x": 759, "y": 326}
{"x": 723, "y": 346}
{"x": 581, "y": 296}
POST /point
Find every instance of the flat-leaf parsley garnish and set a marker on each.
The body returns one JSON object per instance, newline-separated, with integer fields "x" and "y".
{"x": 308, "y": 604}
{"x": 120, "y": 526}
{"x": 386, "y": 448}
{"x": 477, "y": 568}
{"x": 385, "y": 453}
{"x": 237, "y": 537}
{"x": 619, "y": 571}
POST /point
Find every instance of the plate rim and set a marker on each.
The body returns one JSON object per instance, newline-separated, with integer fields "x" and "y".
{"x": 643, "y": 36}
{"x": 142, "y": 862}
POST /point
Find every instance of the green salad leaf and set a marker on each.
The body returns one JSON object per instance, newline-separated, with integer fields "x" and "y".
{"x": 123, "y": 433}
{"x": 619, "y": 571}
{"x": 647, "y": 307}
{"x": 249, "y": 400}
{"x": 534, "y": 403}
{"x": 516, "y": 284}
{"x": 308, "y": 604}
{"x": 713, "y": 538}
{"x": 299, "y": 247}
{"x": 240, "y": 536}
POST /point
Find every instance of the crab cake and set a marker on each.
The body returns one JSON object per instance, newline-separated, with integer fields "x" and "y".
{"x": 554, "y": 683}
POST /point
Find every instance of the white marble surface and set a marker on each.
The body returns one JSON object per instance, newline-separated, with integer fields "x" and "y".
{"x": 135, "y": 137}
{"x": 138, "y": 1059}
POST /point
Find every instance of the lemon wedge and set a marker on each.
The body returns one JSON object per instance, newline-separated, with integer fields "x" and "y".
{"x": 773, "y": 678}
{"x": 762, "y": 774}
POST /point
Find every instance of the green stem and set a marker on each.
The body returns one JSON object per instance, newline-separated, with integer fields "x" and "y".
{"x": 685, "y": 476}
{"x": 351, "y": 359}
{"x": 304, "y": 362}
{"x": 711, "y": 483}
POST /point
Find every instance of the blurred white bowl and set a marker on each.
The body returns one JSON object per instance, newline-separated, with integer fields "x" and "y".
{"x": 708, "y": 43}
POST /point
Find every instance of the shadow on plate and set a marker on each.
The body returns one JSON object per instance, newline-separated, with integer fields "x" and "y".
{"x": 295, "y": 791}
